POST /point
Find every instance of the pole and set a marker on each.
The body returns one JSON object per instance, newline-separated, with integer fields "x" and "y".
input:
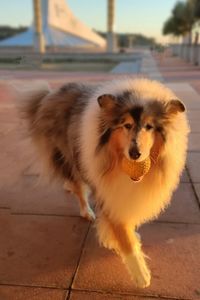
{"x": 111, "y": 42}
{"x": 39, "y": 42}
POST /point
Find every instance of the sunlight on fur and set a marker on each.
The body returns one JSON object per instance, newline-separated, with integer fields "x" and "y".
{"x": 83, "y": 133}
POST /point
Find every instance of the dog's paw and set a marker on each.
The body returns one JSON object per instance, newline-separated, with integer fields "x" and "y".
{"x": 110, "y": 243}
{"x": 88, "y": 214}
{"x": 138, "y": 270}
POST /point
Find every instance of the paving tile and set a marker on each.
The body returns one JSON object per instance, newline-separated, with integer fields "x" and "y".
{"x": 182, "y": 87}
{"x": 4, "y": 211}
{"x": 197, "y": 188}
{"x": 183, "y": 208}
{"x": 9, "y": 114}
{"x": 15, "y": 156}
{"x": 174, "y": 260}
{"x": 193, "y": 115}
{"x": 7, "y": 95}
{"x": 185, "y": 177}
{"x": 28, "y": 196}
{"x": 6, "y": 127}
{"x": 190, "y": 102}
{"x": 82, "y": 295}
{"x": 187, "y": 94}
{"x": 195, "y": 125}
{"x": 21, "y": 193}
{"x": 193, "y": 163}
{"x": 194, "y": 142}
{"x": 40, "y": 251}
{"x": 30, "y": 293}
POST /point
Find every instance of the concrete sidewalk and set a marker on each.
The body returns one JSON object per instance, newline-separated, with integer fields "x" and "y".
{"x": 47, "y": 252}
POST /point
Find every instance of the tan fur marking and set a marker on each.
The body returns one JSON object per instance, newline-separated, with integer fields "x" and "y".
{"x": 128, "y": 119}
{"x": 115, "y": 149}
{"x": 147, "y": 120}
{"x": 78, "y": 190}
{"x": 157, "y": 147}
{"x": 117, "y": 141}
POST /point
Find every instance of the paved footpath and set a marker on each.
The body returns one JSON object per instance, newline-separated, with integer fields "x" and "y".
{"x": 47, "y": 252}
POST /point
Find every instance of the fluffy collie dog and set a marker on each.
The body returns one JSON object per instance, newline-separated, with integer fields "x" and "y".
{"x": 83, "y": 133}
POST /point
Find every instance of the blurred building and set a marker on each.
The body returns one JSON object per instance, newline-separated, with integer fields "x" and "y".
{"x": 59, "y": 29}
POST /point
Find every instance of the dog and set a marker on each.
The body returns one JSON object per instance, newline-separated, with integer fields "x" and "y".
{"x": 83, "y": 132}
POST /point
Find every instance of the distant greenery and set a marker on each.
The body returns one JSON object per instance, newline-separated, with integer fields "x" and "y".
{"x": 196, "y": 5}
{"x": 138, "y": 39}
{"x": 8, "y": 31}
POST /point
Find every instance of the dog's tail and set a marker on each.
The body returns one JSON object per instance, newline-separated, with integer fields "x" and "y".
{"x": 30, "y": 101}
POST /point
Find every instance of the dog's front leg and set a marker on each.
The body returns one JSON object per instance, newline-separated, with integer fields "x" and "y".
{"x": 126, "y": 243}
{"x": 132, "y": 255}
{"x": 80, "y": 190}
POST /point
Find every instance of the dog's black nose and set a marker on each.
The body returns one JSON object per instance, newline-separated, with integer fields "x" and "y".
{"x": 134, "y": 153}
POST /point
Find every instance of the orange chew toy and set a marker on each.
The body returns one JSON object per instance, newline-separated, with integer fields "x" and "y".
{"x": 136, "y": 169}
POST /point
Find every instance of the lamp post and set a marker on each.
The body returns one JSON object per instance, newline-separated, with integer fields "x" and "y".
{"x": 39, "y": 42}
{"x": 130, "y": 41}
{"x": 111, "y": 39}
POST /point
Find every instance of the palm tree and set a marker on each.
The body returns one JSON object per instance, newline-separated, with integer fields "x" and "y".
{"x": 184, "y": 16}
{"x": 171, "y": 26}
{"x": 181, "y": 21}
{"x": 196, "y": 8}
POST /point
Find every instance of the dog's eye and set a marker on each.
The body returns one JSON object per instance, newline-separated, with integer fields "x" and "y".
{"x": 148, "y": 126}
{"x": 128, "y": 126}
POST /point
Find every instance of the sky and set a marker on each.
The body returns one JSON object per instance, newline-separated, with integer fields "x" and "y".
{"x": 132, "y": 16}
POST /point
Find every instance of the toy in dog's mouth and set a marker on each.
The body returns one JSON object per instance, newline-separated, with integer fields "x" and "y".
{"x": 138, "y": 169}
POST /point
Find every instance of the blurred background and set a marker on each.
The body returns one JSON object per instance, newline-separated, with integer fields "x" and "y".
{"x": 44, "y": 33}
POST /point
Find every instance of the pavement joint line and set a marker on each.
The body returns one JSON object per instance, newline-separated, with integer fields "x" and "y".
{"x": 174, "y": 222}
{"x": 115, "y": 293}
{"x": 5, "y": 207}
{"x": 66, "y": 295}
{"x": 192, "y": 109}
{"x": 193, "y": 187}
{"x": 150, "y": 67}
{"x": 194, "y": 151}
{"x": 75, "y": 216}
{"x": 43, "y": 215}
{"x": 32, "y": 286}
{"x": 186, "y": 170}
{"x": 78, "y": 262}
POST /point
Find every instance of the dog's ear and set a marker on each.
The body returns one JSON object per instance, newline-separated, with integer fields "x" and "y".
{"x": 175, "y": 106}
{"x": 107, "y": 101}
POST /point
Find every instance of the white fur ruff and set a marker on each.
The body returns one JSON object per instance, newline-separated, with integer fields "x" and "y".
{"x": 125, "y": 201}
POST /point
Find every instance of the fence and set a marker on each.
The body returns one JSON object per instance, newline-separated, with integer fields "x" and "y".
{"x": 190, "y": 53}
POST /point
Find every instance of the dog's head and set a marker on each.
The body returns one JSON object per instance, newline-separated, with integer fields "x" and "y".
{"x": 131, "y": 127}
